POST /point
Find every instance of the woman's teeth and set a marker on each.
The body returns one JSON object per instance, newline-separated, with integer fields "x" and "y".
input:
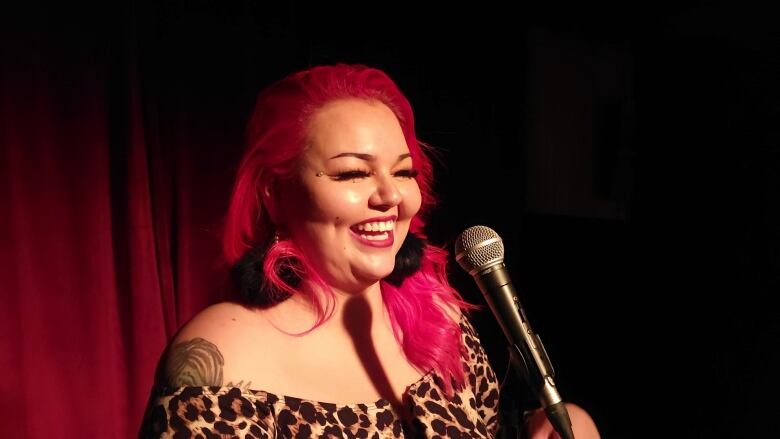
{"x": 379, "y": 226}
{"x": 375, "y": 237}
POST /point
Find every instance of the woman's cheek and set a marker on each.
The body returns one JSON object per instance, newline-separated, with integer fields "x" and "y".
{"x": 412, "y": 200}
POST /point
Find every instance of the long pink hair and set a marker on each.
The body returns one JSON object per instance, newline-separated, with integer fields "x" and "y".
{"x": 275, "y": 140}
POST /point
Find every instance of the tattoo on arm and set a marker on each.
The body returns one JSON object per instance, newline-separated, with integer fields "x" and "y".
{"x": 197, "y": 362}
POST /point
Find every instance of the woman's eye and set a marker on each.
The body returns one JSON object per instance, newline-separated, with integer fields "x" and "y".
{"x": 407, "y": 173}
{"x": 351, "y": 175}
{"x": 357, "y": 174}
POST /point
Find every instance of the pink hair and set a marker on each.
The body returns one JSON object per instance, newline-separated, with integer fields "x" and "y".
{"x": 275, "y": 140}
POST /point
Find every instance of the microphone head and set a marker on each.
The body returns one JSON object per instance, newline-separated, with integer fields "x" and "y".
{"x": 477, "y": 248}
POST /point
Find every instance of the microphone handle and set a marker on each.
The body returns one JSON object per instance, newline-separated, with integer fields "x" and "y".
{"x": 496, "y": 286}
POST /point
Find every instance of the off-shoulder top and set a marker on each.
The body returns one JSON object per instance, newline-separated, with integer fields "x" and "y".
{"x": 231, "y": 412}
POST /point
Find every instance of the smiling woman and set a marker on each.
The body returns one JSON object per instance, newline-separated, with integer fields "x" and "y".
{"x": 352, "y": 219}
{"x": 348, "y": 326}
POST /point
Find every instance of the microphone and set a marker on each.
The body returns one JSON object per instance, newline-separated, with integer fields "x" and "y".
{"x": 480, "y": 251}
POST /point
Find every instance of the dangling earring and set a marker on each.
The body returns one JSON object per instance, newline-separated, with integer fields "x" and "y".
{"x": 408, "y": 259}
{"x": 275, "y": 240}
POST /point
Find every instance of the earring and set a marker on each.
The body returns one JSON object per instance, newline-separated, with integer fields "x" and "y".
{"x": 408, "y": 259}
{"x": 276, "y": 238}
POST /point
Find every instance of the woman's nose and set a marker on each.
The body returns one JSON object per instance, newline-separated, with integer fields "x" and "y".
{"x": 386, "y": 194}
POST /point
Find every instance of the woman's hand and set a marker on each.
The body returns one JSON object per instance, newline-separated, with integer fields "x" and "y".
{"x": 581, "y": 422}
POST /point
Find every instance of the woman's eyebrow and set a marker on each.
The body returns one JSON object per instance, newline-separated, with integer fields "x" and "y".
{"x": 366, "y": 157}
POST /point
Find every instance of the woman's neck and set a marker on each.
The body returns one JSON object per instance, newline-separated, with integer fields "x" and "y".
{"x": 353, "y": 312}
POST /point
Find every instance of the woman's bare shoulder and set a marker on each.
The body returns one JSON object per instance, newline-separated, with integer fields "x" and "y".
{"x": 213, "y": 346}
{"x": 216, "y": 321}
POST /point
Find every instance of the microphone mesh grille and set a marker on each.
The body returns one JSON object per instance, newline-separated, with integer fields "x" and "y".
{"x": 477, "y": 247}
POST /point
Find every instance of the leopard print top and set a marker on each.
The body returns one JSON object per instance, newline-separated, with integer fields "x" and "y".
{"x": 230, "y": 412}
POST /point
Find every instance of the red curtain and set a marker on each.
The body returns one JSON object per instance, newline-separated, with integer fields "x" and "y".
{"x": 110, "y": 202}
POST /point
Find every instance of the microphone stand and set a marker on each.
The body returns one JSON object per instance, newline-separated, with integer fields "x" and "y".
{"x": 516, "y": 402}
{"x": 529, "y": 358}
{"x": 512, "y": 407}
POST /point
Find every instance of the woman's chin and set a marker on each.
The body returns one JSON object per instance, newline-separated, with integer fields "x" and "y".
{"x": 370, "y": 277}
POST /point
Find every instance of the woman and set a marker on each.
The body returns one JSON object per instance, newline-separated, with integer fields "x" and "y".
{"x": 349, "y": 327}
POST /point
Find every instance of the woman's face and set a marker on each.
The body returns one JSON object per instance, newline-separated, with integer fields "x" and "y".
{"x": 355, "y": 194}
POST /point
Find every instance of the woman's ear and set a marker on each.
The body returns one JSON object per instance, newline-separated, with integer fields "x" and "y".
{"x": 269, "y": 193}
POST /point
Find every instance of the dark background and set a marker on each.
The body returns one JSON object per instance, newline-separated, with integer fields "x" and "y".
{"x": 628, "y": 156}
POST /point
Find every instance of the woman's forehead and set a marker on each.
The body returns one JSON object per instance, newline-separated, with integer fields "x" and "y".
{"x": 355, "y": 126}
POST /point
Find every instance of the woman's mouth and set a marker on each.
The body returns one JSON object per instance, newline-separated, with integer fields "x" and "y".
{"x": 377, "y": 232}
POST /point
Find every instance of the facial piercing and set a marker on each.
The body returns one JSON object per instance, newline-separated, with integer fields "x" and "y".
{"x": 319, "y": 174}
